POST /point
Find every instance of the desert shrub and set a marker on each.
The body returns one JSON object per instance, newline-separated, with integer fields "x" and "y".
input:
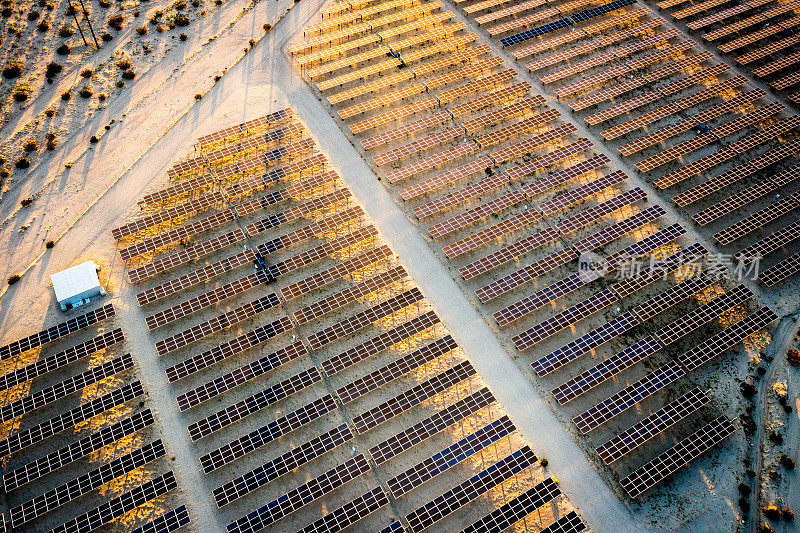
{"x": 116, "y": 22}
{"x": 101, "y": 97}
{"x": 748, "y": 390}
{"x": 772, "y": 512}
{"x": 93, "y": 139}
{"x": 12, "y": 70}
{"x": 13, "y": 279}
{"x": 43, "y": 26}
{"x": 181, "y": 20}
{"x": 49, "y": 244}
{"x": 160, "y": 28}
{"x": 195, "y": 3}
{"x": 66, "y": 95}
{"x": 217, "y": 78}
{"x": 141, "y": 30}
{"x": 22, "y": 163}
{"x": 106, "y": 36}
{"x": 120, "y": 84}
{"x": 105, "y": 4}
{"x": 49, "y": 112}
{"x": 33, "y": 15}
{"x": 86, "y": 92}
{"x": 63, "y": 49}
{"x": 198, "y": 97}
{"x": 180, "y": 5}
{"x": 52, "y": 69}
{"x": 787, "y": 462}
{"x": 51, "y": 144}
{"x": 267, "y": 27}
{"x": 71, "y": 10}
{"x": 776, "y": 437}
{"x": 745, "y": 489}
{"x": 793, "y": 357}
{"x": 65, "y": 31}
{"x": 2, "y": 160}
{"x": 183, "y": 36}
{"x": 21, "y": 93}
{"x": 252, "y": 43}
{"x": 787, "y": 514}
{"x": 544, "y": 462}
{"x": 123, "y": 64}
{"x": 128, "y": 75}
{"x": 86, "y": 73}
{"x": 7, "y": 12}
{"x": 4, "y": 172}
{"x": 31, "y": 145}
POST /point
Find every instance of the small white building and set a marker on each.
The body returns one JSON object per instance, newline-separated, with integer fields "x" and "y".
{"x": 76, "y": 285}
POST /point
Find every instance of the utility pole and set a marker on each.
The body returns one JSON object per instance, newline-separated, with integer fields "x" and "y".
{"x": 89, "y": 22}
{"x": 78, "y": 24}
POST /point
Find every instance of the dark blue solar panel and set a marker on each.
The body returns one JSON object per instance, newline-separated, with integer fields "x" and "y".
{"x": 536, "y": 32}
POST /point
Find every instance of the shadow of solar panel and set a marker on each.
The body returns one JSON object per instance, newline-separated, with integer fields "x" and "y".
{"x": 551, "y": 293}
{"x": 47, "y": 429}
{"x": 86, "y": 483}
{"x": 120, "y": 505}
{"x": 167, "y": 522}
{"x": 642, "y": 247}
{"x": 50, "y": 334}
{"x": 307, "y": 232}
{"x": 450, "y": 456}
{"x": 61, "y": 359}
{"x": 607, "y": 369}
{"x": 615, "y": 404}
{"x": 702, "y": 315}
{"x": 661, "y": 302}
{"x": 228, "y": 349}
{"x": 66, "y": 455}
{"x": 281, "y": 465}
{"x": 302, "y": 495}
{"x": 524, "y": 275}
{"x": 726, "y": 339}
{"x": 583, "y": 344}
{"x": 581, "y": 193}
{"x": 165, "y": 215}
{"x": 241, "y": 375}
{"x": 518, "y": 508}
{"x": 361, "y": 320}
{"x": 605, "y": 236}
{"x": 769, "y": 244}
{"x": 669, "y": 462}
{"x": 457, "y": 497}
{"x": 646, "y": 429}
{"x": 302, "y": 210}
{"x": 252, "y": 404}
{"x": 250, "y": 126}
{"x": 379, "y": 343}
{"x": 260, "y": 437}
{"x": 593, "y": 214}
{"x": 779, "y": 272}
{"x": 64, "y": 388}
{"x": 186, "y": 187}
{"x": 349, "y": 295}
{"x": 394, "y": 370}
{"x": 508, "y": 253}
{"x": 402, "y": 402}
{"x": 564, "y": 319}
{"x": 216, "y": 324}
{"x": 757, "y": 220}
{"x": 349, "y": 513}
{"x": 430, "y": 426}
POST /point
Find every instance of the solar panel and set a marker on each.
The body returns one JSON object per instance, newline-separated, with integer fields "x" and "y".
{"x": 605, "y": 236}
{"x": 206, "y": 299}
{"x": 394, "y": 527}
{"x": 574, "y": 349}
{"x": 769, "y": 244}
{"x": 379, "y": 343}
{"x": 595, "y": 213}
{"x": 349, "y": 513}
{"x": 295, "y": 213}
{"x": 646, "y": 429}
{"x": 508, "y": 253}
{"x": 64, "y": 388}
{"x": 186, "y": 187}
{"x": 296, "y": 192}
{"x": 642, "y": 247}
{"x": 363, "y": 319}
{"x": 44, "y": 430}
{"x": 734, "y": 201}
{"x": 452, "y": 500}
{"x": 292, "y": 170}
{"x": 726, "y": 339}
{"x": 281, "y": 465}
{"x": 184, "y": 232}
{"x": 414, "y": 396}
{"x": 540, "y": 298}
{"x": 443, "y": 418}
{"x": 228, "y": 349}
{"x": 661, "y": 302}
{"x": 253, "y": 403}
{"x": 61, "y": 359}
{"x": 218, "y": 323}
{"x": 335, "y": 273}
{"x": 302, "y": 495}
{"x": 254, "y": 125}
{"x": 518, "y": 508}
{"x": 563, "y": 320}
{"x": 86, "y": 483}
{"x": 666, "y": 464}
{"x": 166, "y": 215}
{"x": 562, "y": 176}
{"x": 167, "y": 522}
{"x": 607, "y": 369}
{"x": 303, "y": 234}
{"x": 524, "y": 275}
{"x": 615, "y": 404}
{"x": 241, "y": 375}
{"x": 56, "y": 332}
{"x": 451, "y": 456}
{"x": 196, "y": 251}
{"x": 14, "y": 479}
{"x": 120, "y": 505}
{"x": 782, "y": 270}
{"x": 581, "y": 193}
{"x": 687, "y": 323}
{"x": 757, "y": 220}
{"x": 395, "y": 369}
{"x": 265, "y": 434}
